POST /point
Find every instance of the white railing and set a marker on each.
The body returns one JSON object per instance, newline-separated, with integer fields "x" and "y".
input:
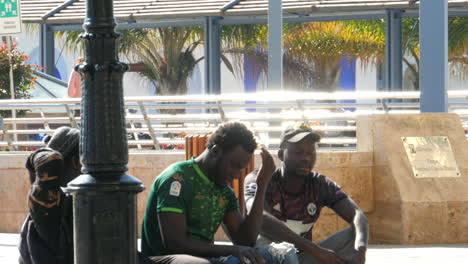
{"x": 150, "y": 126}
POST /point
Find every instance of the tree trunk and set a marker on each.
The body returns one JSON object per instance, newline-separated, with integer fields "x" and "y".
{"x": 327, "y": 74}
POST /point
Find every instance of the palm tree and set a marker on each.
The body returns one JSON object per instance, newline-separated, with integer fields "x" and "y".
{"x": 323, "y": 45}
{"x": 168, "y": 54}
{"x": 457, "y": 43}
{"x": 312, "y": 52}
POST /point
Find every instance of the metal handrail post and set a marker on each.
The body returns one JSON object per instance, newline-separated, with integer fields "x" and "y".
{"x": 149, "y": 126}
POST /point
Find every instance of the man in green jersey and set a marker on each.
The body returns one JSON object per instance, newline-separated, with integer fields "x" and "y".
{"x": 189, "y": 200}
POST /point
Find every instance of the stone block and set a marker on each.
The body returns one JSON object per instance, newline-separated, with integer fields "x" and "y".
{"x": 344, "y": 159}
{"x": 358, "y": 184}
{"x": 326, "y": 211}
{"x": 335, "y": 174}
{"x": 390, "y": 152}
{"x": 364, "y": 134}
{"x": 12, "y": 221}
{"x": 385, "y": 223}
{"x": 452, "y": 189}
{"x": 385, "y": 186}
{"x": 457, "y": 222}
{"x": 341, "y": 224}
{"x": 10, "y": 160}
{"x": 326, "y": 225}
{"x": 14, "y": 188}
{"x": 424, "y": 222}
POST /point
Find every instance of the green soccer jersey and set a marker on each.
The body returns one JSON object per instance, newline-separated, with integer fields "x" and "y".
{"x": 184, "y": 188}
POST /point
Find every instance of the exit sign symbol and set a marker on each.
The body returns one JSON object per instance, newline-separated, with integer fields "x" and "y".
{"x": 10, "y": 20}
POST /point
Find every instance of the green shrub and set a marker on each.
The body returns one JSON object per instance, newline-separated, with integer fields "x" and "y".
{"x": 23, "y": 77}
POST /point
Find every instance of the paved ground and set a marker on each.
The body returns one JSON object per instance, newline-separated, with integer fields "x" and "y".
{"x": 377, "y": 254}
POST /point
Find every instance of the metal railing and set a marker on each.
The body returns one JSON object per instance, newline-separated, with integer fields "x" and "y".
{"x": 162, "y": 122}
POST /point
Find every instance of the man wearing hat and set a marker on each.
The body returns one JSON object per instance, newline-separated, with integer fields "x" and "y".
{"x": 47, "y": 233}
{"x": 294, "y": 199}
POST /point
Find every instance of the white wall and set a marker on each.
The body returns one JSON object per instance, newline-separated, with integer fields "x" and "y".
{"x": 366, "y": 79}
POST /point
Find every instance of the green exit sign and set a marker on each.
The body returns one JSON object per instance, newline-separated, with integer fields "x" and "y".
{"x": 10, "y": 18}
{"x": 9, "y": 8}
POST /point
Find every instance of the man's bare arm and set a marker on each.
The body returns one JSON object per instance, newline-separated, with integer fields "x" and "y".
{"x": 244, "y": 231}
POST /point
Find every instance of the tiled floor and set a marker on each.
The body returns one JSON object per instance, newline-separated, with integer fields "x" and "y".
{"x": 377, "y": 254}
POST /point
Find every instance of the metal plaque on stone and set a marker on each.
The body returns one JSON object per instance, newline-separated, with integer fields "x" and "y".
{"x": 431, "y": 157}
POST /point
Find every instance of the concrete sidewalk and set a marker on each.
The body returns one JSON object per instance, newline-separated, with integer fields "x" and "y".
{"x": 8, "y": 249}
{"x": 377, "y": 254}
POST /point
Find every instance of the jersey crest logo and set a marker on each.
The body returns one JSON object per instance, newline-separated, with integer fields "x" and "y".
{"x": 175, "y": 188}
{"x": 311, "y": 209}
{"x": 178, "y": 177}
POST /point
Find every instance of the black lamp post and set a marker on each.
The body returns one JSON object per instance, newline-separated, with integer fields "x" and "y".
{"x": 104, "y": 197}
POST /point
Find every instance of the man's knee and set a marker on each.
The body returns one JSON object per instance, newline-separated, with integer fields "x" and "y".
{"x": 342, "y": 242}
{"x": 276, "y": 253}
{"x": 226, "y": 260}
{"x": 186, "y": 259}
{"x": 338, "y": 239}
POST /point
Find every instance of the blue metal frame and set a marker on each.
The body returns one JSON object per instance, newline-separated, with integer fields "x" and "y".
{"x": 58, "y": 9}
{"x": 229, "y": 5}
{"x": 212, "y": 56}
{"x": 433, "y": 65}
{"x": 134, "y": 25}
{"x": 275, "y": 45}
{"x": 47, "y": 49}
{"x": 393, "y": 51}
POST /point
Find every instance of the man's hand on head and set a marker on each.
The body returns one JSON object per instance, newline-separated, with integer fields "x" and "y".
{"x": 267, "y": 168}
